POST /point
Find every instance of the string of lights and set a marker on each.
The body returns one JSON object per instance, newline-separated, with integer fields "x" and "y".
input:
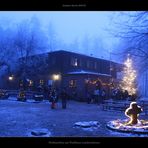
{"x": 129, "y": 77}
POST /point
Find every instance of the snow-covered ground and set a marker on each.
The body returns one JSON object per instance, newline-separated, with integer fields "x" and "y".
{"x": 143, "y": 99}
{"x": 21, "y": 119}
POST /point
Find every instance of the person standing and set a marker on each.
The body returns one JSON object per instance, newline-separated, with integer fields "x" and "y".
{"x": 97, "y": 95}
{"x": 53, "y": 99}
{"x": 88, "y": 97}
{"x": 103, "y": 95}
{"x": 64, "y": 97}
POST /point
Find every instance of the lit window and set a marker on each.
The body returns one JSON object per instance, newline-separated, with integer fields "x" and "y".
{"x": 72, "y": 83}
{"x": 56, "y": 77}
{"x": 41, "y": 82}
{"x": 74, "y": 62}
{"x": 30, "y": 83}
{"x": 10, "y": 78}
{"x": 21, "y": 83}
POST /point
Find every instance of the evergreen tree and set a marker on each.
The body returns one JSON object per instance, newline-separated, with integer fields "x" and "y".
{"x": 129, "y": 77}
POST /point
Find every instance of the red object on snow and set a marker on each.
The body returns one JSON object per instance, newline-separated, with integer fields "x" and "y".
{"x": 53, "y": 105}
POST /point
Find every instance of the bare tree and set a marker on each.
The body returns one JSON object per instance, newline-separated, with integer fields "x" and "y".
{"x": 97, "y": 44}
{"x": 52, "y": 37}
{"x": 86, "y": 44}
{"x": 74, "y": 46}
{"x": 7, "y": 53}
{"x": 133, "y": 32}
{"x": 28, "y": 42}
{"x": 37, "y": 64}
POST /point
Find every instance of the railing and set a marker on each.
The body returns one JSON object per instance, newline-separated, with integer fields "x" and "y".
{"x": 123, "y": 105}
{"x": 14, "y": 93}
{"x": 144, "y": 105}
{"x": 115, "y": 105}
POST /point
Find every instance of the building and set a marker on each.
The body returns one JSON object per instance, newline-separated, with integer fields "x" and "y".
{"x": 77, "y": 72}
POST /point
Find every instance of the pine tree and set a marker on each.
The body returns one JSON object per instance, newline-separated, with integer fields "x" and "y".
{"x": 129, "y": 77}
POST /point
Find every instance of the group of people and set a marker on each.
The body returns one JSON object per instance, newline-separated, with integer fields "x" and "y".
{"x": 54, "y": 96}
{"x": 117, "y": 94}
{"x": 97, "y": 97}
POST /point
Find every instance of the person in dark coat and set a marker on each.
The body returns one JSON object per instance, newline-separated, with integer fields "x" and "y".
{"x": 53, "y": 98}
{"x": 64, "y": 96}
{"x": 88, "y": 96}
{"x": 103, "y": 95}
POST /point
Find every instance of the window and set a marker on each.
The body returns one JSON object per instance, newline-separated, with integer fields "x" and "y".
{"x": 53, "y": 61}
{"x": 30, "y": 83}
{"x": 105, "y": 67}
{"x": 95, "y": 65}
{"x": 72, "y": 83}
{"x": 21, "y": 83}
{"x": 74, "y": 62}
{"x": 87, "y": 64}
{"x": 41, "y": 82}
{"x": 80, "y": 62}
{"x": 90, "y": 64}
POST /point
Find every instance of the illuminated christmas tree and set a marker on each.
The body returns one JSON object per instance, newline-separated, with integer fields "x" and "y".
{"x": 129, "y": 77}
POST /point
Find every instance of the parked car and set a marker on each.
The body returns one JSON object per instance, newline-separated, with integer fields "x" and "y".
{"x": 38, "y": 96}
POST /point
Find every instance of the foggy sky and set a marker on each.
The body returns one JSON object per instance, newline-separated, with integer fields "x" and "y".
{"x": 71, "y": 25}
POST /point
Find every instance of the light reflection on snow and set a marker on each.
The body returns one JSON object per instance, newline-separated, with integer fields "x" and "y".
{"x": 142, "y": 125}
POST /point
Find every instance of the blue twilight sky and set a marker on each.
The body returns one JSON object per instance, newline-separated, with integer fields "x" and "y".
{"x": 71, "y": 25}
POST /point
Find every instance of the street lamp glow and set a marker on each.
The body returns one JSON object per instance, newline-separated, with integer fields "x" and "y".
{"x": 10, "y": 78}
{"x": 56, "y": 77}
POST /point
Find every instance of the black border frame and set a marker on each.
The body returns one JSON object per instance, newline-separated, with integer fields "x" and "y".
{"x": 74, "y": 5}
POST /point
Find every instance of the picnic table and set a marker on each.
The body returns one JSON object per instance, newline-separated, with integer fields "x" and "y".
{"x": 144, "y": 105}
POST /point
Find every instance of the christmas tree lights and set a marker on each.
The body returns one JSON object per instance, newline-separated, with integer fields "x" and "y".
{"x": 129, "y": 77}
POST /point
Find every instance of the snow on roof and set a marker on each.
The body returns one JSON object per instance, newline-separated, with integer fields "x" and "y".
{"x": 88, "y": 72}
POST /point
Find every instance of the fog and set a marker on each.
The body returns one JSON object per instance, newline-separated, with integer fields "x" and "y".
{"x": 101, "y": 34}
{"x": 79, "y": 31}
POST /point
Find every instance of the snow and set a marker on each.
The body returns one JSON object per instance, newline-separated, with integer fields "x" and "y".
{"x": 119, "y": 125}
{"x": 143, "y": 99}
{"x": 88, "y": 72}
{"x": 40, "y": 132}
{"x": 91, "y": 129}
{"x": 119, "y": 134}
{"x": 29, "y": 100}
{"x": 12, "y": 98}
{"x": 20, "y": 119}
{"x": 87, "y": 125}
